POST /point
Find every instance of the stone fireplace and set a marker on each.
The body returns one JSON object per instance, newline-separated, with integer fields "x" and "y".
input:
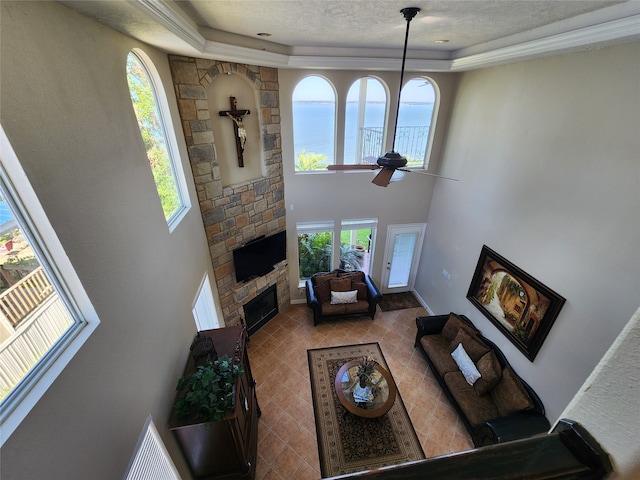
{"x": 238, "y": 213}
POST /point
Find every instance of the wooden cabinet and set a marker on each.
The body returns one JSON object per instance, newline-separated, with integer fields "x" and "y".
{"x": 226, "y": 449}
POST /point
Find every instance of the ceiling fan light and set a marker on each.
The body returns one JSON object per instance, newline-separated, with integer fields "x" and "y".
{"x": 397, "y": 176}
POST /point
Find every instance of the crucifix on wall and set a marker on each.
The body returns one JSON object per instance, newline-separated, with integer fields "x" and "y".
{"x": 238, "y": 127}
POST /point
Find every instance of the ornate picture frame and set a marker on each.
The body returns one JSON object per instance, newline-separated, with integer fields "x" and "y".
{"x": 521, "y": 307}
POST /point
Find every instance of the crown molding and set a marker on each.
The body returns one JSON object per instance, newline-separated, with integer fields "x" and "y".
{"x": 166, "y": 16}
{"x": 615, "y": 30}
{"x": 367, "y": 63}
{"x": 233, "y": 53}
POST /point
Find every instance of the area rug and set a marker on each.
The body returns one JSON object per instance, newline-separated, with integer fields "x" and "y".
{"x": 398, "y": 301}
{"x": 348, "y": 443}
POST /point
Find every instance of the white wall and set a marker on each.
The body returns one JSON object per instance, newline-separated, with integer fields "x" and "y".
{"x": 548, "y": 156}
{"x": 67, "y": 112}
{"x": 607, "y": 404}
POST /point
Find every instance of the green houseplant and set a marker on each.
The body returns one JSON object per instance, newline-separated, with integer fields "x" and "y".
{"x": 207, "y": 394}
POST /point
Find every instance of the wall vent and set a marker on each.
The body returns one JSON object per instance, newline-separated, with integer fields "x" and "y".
{"x": 151, "y": 461}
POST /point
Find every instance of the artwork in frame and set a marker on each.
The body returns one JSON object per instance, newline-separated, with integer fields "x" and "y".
{"x": 519, "y": 305}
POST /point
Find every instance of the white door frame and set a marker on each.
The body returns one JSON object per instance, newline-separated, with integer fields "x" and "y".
{"x": 392, "y": 231}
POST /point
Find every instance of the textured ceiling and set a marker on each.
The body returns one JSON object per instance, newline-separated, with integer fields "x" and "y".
{"x": 369, "y": 34}
{"x": 379, "y": 24}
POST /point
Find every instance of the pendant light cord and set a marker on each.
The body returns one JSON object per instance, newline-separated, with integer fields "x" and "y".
{"x": 408, "y": 13}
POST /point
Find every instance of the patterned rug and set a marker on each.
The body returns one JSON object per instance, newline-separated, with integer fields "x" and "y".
{"x": 348, "y": 443}
{"x": 398, "y": 301}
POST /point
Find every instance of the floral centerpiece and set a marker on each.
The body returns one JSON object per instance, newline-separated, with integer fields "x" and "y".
{"x": 365, "y": 369}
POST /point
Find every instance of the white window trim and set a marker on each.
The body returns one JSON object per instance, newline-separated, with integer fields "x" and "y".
{"x": 362, "y": 99}
{"x": 434, "y": 121}
{"x": 27, "y": 393}
{"x": 175, "y": 158}
{"x": 335, "y": 125}
{"x": 361, "y": 224}
{"x": 426, "y": 161}
{"x": 314, "y": 227}
{"x": 204, "y": 308}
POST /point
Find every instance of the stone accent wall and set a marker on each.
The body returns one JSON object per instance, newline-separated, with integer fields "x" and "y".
{"x": 233, "y": 215}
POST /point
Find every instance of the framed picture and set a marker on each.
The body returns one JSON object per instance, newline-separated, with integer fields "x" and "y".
{"x": 515, "y": 302}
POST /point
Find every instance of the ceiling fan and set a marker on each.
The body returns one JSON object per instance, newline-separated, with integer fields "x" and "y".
{"x": 391, "y": 161}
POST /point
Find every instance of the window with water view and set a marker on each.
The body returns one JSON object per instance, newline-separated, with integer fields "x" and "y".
{"x": 314, "y": 117}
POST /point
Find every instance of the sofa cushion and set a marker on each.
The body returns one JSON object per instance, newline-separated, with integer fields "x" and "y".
{"x": 329, "y": 309}
{"x": 437, "y": 349}
{"x": 455, "y": 323}
{"x": 361, "y": 306}
{"x": 357, "y": 276}
{"x": 320, "y": 278}
{"x": 490, "y": 371}
{"x": 340, "y": 285}
{"x": 361, "y": 287}
{"x": 510, "y": 395}
{"x": 475, "y": 347}
{"x": 323, "y": 292}
{"x": 477, "y": 408}
{"x": 465, "y": 364}
{"x": 344, "y": 297}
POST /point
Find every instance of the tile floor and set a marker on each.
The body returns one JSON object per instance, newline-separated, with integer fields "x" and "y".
{"x": 287, "y": 447}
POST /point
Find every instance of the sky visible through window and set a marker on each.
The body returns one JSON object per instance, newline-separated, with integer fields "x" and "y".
{"x": 317, "y": 89}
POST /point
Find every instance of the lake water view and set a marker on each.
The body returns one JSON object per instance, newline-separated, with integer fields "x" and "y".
{"x": 314, "y": 125}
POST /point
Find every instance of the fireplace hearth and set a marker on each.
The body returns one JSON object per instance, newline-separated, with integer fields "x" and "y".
{"x": 261, "y": 309}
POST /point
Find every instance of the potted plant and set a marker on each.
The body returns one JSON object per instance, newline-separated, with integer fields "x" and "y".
{"x": 207, "y": 395}
{"x": 351, "y": 258}
{"x": 365, "y": 370}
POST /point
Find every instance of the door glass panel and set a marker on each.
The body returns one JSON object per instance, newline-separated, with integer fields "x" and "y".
{"x": 401, "y": 259}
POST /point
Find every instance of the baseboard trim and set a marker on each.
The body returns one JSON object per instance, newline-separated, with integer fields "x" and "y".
{"x": 424, "y": 304}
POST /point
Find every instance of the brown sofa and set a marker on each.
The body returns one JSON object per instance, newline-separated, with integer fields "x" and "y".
{"x": 321, "y": 289}
{"x": 499, "y": 406}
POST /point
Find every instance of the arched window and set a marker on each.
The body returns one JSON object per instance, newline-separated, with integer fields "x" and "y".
{"x": 151, "y": 109}
{"x": 365, "y": 120}
{"x": 416, "y": 121}
{"x": 314, "y": 120}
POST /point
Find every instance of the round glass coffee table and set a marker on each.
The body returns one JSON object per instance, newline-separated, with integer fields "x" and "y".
{"x": 374, "y": 400}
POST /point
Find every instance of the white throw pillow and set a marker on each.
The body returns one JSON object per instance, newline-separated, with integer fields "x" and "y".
{"x": 465, "y": 364}
{"x": 344, "y": 297}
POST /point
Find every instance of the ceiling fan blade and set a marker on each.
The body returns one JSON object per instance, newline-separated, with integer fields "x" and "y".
{"x": 422, "y": 172}
{"x": 383, "y": 178}
{"x": 356, "y": 166}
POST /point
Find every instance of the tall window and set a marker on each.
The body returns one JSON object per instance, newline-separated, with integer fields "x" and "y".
{"x": 314, "y": 120}
{"x": 357, "y": 238}
{"x": 45, "y": 315}
{"x": 151, "y": 110}
{"x": 315, "y": 248}
{"x": 418, "y": 109}
{"x": 365, "y": 120}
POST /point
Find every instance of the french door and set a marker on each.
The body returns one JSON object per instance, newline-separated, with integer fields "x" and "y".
{"x": 401, "y": 257}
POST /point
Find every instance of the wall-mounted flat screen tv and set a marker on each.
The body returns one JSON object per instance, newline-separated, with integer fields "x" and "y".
{"x": 257, "y": 258}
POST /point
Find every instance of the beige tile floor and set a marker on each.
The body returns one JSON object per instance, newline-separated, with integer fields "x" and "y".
{"x": 287, "y": 447}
